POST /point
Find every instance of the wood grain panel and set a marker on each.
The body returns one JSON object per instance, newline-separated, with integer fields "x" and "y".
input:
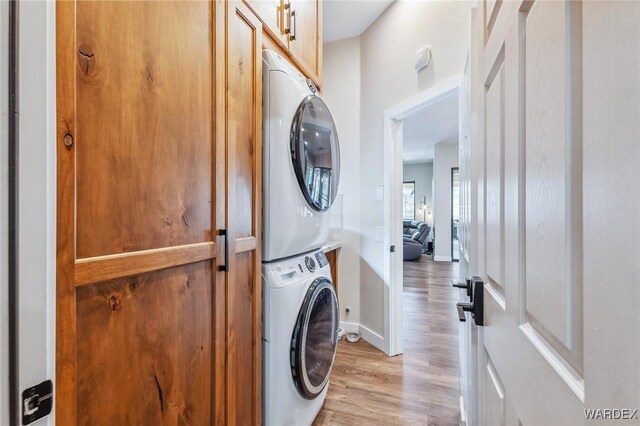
{"x": 144, "y": 98}
{"x": 495, "y": 180}
{"x": 243, "y": 97}
{"x": 271, "y": 14}
{"x": 308, "y": 42}
{"x": 547, "y": 301}
{"x": 332, "y": 258}
{"x": 242, "y": 117}
{"x": 144, "y": 349}
{"x": 135, "y": 144}
{"x": 104, "y": 268}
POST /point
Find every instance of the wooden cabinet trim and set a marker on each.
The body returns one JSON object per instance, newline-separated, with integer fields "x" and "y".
{"x": 104, "y": 268}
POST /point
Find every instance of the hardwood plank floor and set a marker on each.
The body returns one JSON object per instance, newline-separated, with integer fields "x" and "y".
{"x": 422, "y": 386}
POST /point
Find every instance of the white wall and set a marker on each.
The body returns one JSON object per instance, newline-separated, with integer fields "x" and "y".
{"x": 445, "y": 158}
{"x": 422, "y": 175}
{"x": 341, "y": 92}
{"x": 388, "y": 78}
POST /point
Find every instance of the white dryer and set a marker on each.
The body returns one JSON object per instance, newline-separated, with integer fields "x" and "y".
{"x": 300, "y": 337}
{"x": 301, "y": 161}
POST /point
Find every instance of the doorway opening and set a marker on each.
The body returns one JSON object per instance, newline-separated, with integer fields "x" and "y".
{"x": 421, "y": 136}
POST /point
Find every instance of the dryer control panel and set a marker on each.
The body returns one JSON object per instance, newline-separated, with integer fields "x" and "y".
{"x": 291, "y": 270}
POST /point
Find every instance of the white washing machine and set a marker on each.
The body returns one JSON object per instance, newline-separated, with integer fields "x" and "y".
{"x": 300, "y": 337}
{"x": 301, "y": 161}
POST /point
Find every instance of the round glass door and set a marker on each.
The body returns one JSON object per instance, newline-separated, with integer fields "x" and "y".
{"x": 315, "y": 339}
{"x": 315, "y": 152}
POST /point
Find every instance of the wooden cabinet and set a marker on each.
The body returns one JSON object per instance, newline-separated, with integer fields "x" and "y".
{"x": 158, "y": 213}
{"x": 305, "y": 35}
{"x": 239, "y": 130}
{"x": 332, "y": 258}
{"x": 294, "y": 28}
{"x": 271, "y": 14}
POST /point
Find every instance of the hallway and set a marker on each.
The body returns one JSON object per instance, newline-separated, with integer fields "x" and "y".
{"x": 422, "y": 385}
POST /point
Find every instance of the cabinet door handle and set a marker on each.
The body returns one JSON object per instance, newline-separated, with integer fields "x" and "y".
{"x": 225, "y": 267}
{"x": 287, "y": 22}
{"x": 292, "y": 25}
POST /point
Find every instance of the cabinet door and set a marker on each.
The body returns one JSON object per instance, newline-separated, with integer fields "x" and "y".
{"x": 135, "y": 179}
{"x": 271, "y": 14}
{"x": 305, "y": 35}
{"x": 239, "y": 125}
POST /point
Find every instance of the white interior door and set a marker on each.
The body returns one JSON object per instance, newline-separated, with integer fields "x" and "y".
{"x": 558, "y": 143}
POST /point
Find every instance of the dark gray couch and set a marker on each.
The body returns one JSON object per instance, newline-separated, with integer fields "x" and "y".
{"x": 415, "y": 234}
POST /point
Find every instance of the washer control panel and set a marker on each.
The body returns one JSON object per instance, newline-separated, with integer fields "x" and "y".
{"x": 310, "y": 263}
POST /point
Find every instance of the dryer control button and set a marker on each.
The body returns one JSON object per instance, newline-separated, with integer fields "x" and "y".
{"x": 311, "y": 264}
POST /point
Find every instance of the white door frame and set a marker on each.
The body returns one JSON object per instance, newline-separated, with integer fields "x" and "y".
{"x": 36, "y": 189}
{"x": 393, "y": 123}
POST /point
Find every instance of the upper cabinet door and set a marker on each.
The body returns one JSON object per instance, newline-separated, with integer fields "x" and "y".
{"x": 304, "y": 25}
{"x": 271, "y": 14}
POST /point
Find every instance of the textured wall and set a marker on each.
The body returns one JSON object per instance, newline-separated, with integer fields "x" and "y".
{"x": 341, "y": 92}
{"x": 388, "y": 77}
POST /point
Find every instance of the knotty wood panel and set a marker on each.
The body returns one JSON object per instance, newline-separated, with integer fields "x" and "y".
{"x": 240, "y": 114}
{"x": 144, "y": 349}
{"x": 135, "y": 144}
{"x": 144, "y": 98}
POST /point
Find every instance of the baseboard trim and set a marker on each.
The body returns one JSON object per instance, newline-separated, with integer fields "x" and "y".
{"x": 372, "y": 337}
{"x": 349, "y": 326}
{"x": 442, "y": 258}
{"x": 367, "y": 334}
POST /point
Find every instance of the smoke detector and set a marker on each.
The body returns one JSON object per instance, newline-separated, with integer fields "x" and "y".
{"x": 423, "y": 58}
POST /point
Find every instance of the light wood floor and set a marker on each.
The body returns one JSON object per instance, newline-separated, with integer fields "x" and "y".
{"x": 422, "y": 386}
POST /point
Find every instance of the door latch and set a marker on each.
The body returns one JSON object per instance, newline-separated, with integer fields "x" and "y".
{"x": 392, "y": 249}
{"x": 37, "y": 402}
{"x": 476, "y": 306}
{"x": 466, "y": 284}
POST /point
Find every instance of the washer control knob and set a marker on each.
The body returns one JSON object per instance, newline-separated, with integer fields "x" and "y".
{"x": 311, "y": 264}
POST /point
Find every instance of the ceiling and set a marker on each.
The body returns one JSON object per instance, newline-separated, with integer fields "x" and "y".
{"x": 435, "y": 123}
{"x": 349, "y": 18}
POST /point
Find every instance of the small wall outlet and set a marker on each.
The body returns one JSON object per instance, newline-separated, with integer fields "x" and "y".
{"x": 379, "y": 234}
{"x": 379, "y": 193}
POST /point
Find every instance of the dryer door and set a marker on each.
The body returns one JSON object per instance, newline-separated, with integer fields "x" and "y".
{"x": 315, "y": 339}
{"x": 315, "y": 152}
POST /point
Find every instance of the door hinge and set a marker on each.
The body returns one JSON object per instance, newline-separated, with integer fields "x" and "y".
{"x": 37, "y": 402}
{"x": 392, "y": 249}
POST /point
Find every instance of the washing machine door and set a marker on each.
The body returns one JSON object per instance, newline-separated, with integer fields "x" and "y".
{"x": 315, "y": 339}
{"x": 315, "y": 152}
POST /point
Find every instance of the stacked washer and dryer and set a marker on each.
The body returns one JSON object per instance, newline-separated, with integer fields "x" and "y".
{"x": 301, "y": 163}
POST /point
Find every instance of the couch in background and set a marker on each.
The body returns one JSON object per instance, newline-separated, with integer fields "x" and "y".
{"x": 415, "y": 234}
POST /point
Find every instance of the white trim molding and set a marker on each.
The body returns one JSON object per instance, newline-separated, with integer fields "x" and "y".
{"x": 393, "y": 123}
{"x": 442, "y": 258}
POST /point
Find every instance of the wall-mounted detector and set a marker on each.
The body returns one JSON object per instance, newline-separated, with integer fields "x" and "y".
{"x": 423, "y": 58}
